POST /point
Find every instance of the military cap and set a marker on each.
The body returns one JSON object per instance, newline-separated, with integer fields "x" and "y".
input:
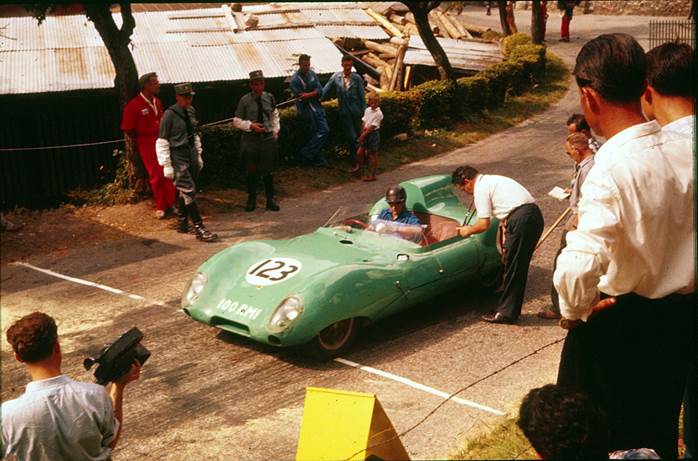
{"x": 183, "y": 88}
{"x": 256, "y": 75}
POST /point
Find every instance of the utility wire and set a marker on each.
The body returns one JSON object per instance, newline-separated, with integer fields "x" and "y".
{"x": 420, "y": 422}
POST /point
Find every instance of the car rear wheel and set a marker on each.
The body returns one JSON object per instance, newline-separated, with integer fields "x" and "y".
{"x": 334, "y": 340}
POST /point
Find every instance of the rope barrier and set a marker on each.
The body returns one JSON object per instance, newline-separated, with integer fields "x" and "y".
{"x": 478, "y": 381}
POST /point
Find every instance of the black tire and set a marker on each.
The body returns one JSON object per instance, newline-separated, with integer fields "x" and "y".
{"x": 334, "y": 340}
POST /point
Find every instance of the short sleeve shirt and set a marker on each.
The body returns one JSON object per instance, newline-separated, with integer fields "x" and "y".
{"x": 59, "y": 419}
{"x": 405, "y": 217}
{"x": 372, "y": 117}
{"x": 497, "y": 196}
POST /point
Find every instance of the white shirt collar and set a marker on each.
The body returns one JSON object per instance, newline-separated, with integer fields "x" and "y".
{"x": 628, "y": 134}
{"x": 677, "y": 124}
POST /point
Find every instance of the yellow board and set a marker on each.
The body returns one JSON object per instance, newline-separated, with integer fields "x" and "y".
{"x": 342, "y": 425}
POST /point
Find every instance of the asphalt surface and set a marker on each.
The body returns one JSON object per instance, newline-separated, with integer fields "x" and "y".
{"x": 210, "y": 395}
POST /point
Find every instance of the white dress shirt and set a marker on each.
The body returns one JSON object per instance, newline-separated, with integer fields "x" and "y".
{"x": 636, "y": 231}
{"x": 498, "y": 195}
{"x": 59, "y": 419}
{"x": 684, "y": 125}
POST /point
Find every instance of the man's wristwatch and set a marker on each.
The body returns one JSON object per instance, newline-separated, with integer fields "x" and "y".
{"x": 568, "y": 324}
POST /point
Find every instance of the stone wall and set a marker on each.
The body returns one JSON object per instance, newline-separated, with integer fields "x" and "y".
{"x": 678, "y": 8}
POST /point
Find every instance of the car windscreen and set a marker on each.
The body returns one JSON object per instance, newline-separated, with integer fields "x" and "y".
{"x": 359, "y": 225}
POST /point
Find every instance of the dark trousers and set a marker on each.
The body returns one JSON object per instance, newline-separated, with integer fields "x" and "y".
{"x": 523, "y": 229}
{"x": 632, "y": 359}
{"x": 554, "y": 298}
{"x": 351, "y": 127}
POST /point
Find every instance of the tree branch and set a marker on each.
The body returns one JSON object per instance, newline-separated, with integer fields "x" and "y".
{"x": 128, "y": 21}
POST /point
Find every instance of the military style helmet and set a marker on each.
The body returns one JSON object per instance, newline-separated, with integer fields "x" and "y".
{"x": 395, "y": 194}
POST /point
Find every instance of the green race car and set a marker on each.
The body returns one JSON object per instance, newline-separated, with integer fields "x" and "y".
{"x": 318, "y": 289}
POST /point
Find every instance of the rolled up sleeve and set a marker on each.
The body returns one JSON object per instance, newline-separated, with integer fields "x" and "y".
{"x": 586, "y": 257}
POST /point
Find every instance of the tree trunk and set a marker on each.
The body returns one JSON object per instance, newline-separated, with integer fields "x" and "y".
{"x": 442, "y": 64}
{"x": 502, "y": 5}
{"x": 537, "y": 23}
{"x": 126, "y": 81}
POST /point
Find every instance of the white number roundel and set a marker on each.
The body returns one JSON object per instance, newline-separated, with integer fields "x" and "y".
{"x": 272, "y": 270}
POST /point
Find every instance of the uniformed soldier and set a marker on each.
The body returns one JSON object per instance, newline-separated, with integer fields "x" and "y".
{"x": 179, "y": 152}
{"x": 258, "y": 118}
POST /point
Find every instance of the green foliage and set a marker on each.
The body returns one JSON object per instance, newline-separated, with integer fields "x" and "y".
{"x": 513, "y": 41}
{"x": 438, "y": 102}
{"x": 532, "y": 57}
{"x": 473, "y": 94}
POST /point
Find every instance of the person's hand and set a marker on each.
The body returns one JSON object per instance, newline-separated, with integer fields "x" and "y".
{"x": 604, "y": 304}
{"x": 257, "y": 127}
{"x": 133, "y": 374}
{"x": 168, "y": 171}
{"x": 361, "y": 139}
{"x": 276, "y": 135}
{"x": 568, "y": 190}
{"x": 463, "y": 231}
{"x": 200, "y": 162}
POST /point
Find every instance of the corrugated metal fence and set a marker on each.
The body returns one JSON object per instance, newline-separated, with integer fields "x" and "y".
{"x": 675, "y": 30}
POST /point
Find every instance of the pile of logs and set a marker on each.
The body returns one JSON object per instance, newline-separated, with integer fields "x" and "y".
{"x": 442, "y": 24}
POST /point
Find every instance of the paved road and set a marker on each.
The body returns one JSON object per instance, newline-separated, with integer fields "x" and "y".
{"x": 205, "y": 394}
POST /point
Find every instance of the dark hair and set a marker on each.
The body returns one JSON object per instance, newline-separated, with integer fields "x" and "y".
{"x": 563, "y": 423}
{"x": 303, "y": 57}
{"x": 671, "y": 69}
{"x": 580, "y": 122}
{"x": 33, "y": 336}
{"x": 462, "y": 173}
{"x": 347, "y": 57}
{"x": 614, "y": 65}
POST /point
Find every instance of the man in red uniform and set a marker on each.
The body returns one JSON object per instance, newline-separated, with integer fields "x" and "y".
{"x": 141, "y": 122}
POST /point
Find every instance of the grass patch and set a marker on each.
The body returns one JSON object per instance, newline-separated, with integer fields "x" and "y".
{"x": 504, "y": 441}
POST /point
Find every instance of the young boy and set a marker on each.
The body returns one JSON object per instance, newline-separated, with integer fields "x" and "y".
{"x": 369, "y": 139}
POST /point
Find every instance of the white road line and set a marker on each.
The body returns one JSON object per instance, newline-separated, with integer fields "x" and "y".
{"x": 375, "y": 371}
{"x": 115, "y": 291}
{"x": 421, "y": 387}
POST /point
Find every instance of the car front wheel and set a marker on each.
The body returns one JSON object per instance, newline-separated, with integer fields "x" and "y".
{"x": 334, "y": 340}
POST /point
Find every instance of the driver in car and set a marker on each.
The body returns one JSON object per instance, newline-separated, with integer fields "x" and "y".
{"x": 397, "y": 219}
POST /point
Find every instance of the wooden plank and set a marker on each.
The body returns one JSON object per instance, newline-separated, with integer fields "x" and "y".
{"x": 392, "y": 30}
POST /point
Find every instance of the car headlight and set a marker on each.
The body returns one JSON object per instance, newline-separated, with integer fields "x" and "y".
{"x": 195, "y": 288}
{"x": 288, "y": 311}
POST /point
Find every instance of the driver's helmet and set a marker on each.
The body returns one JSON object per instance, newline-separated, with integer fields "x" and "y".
{"x": 395, "y": 194}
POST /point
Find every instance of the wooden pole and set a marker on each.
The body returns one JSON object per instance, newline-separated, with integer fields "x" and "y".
{"x": 552, "y": 228}
{"x": 380, "y": 48}
{"x": 394, "y": 31}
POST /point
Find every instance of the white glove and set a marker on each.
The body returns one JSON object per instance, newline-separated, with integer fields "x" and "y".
{"x": 168, "y": 171}
{"x": 200, "y": 162}
{"x": 197, "y": 145}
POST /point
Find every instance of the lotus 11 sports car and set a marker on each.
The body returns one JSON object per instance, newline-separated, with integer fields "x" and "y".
{"x": 319, "y": 289}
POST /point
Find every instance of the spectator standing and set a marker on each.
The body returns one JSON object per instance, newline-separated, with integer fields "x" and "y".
{"x": 578, "y": 124}
{"x": 180, "y": 154}
{"x": 635, "y": 243}
{"x": 521, "y": 223}
{"x": 511, "y": 20}
{"x": 670, "y": 100}
{"x": 57, "y": 418}
{"x": 369, "y": 139}
{"x": 567, "y": 8}
{"x": 349, "y": 89}
{"x": 257, "y": 116}
{"x": 577, "y": 148}
{"x": 305, "y": 85}
{"x": 141, "y": 122}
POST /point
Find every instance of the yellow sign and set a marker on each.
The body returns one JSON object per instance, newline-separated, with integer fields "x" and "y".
{"x": 342, "y": 425}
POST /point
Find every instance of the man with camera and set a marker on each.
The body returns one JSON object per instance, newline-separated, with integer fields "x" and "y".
{"x": 57, "y": 418}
